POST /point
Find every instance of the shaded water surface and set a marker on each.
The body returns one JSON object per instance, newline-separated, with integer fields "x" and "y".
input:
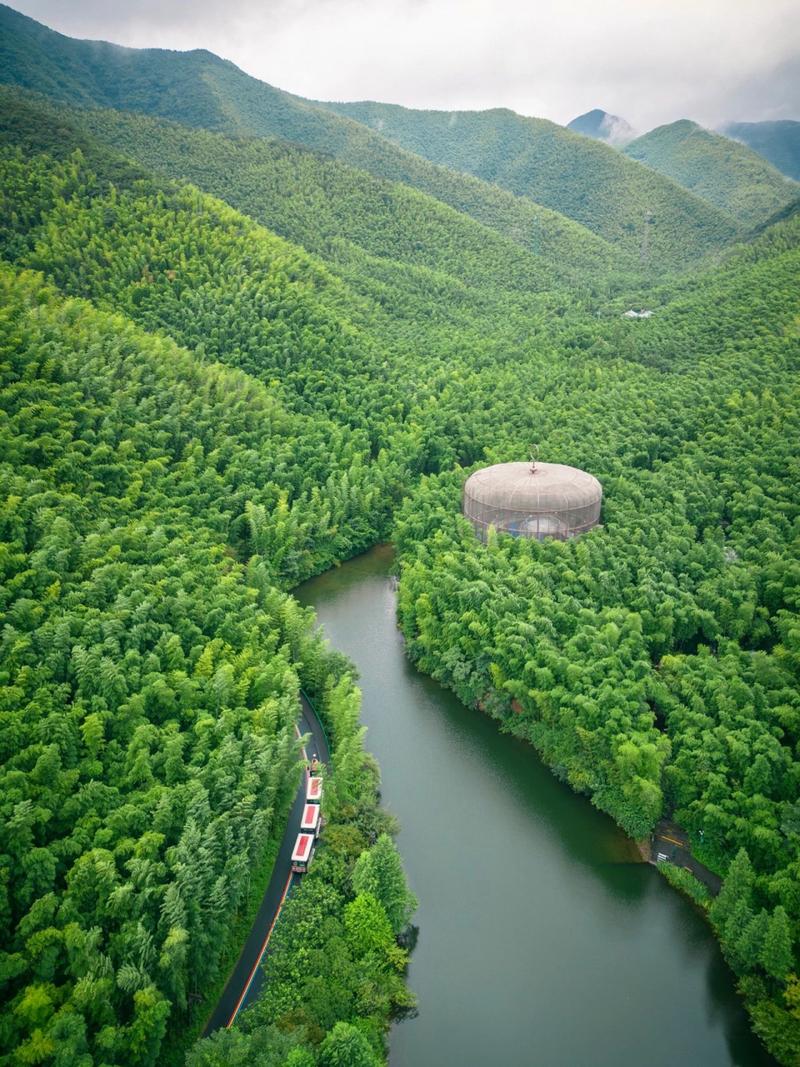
{"x": 542, "y": 940}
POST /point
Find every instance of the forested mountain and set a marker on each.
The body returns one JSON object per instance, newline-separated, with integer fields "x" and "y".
{"x": 778, "y": 141}
{"x": 290, "y": 474}
{"x": 721, "y": 171}
{"x": 644, "y": 213}
{"x": 244, "y": 338}
{"x": 368, "y": 397}
{"x": 176, "y": 85}
{"x": 371, "y": 354}
{"x": 329, "y": 208}
{"x": 603, "y": 127}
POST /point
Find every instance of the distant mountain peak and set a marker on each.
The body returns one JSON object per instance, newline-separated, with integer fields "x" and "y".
{"x": 603, "y": 126}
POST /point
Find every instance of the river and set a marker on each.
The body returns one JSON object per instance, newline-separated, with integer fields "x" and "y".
{"x": 542, "y": 940}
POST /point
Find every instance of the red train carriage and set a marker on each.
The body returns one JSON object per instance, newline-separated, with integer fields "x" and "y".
{"x": 310, "y": 820}
{"x": 304, "y": 848}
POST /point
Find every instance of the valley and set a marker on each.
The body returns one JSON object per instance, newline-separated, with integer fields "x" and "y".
{"x": 245, "y": 338}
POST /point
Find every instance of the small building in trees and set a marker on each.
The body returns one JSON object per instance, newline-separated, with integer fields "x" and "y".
{"x": 534, "y": 500}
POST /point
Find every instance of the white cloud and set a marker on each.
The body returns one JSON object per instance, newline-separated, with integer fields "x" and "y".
{"x": 650, "y": 61}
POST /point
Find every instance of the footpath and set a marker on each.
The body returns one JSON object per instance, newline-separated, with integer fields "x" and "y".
{"x": 247, "y": 976}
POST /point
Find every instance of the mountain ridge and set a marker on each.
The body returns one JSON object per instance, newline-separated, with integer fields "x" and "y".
{"x": 722, "y": 171}
{"x": 312, "y": 198}
{"x": 660, "y": 222}
{"x": 534, "y": 157}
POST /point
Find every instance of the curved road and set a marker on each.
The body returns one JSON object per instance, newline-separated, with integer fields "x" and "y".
{"x": 247, "y": 978}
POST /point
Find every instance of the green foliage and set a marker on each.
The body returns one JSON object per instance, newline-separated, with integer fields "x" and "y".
{"x": 536, "y": 160}
{"x": 202, "y": 91}
{"x": 149, "y": 705}
{"x": 721, "y": 171}
{"x": 684, "y": 881}
{"x": 653, "y": 662}
{"x": 238, "y": 412}
{"x": 150, "y": 690}
{"x": 779, "y": 1030}
{"x": 233, "y": 1048}
{"x": 333, "y": 958}
{"x": 367, "y": 926}
{"x": 777, "y": 957}
{"x": 340, "y": 213}
{"x": 643, "y": 213}
{"x": 737, "y": 889}
{"x": 346, "y": 1046}
{"x": 379, "y": 872}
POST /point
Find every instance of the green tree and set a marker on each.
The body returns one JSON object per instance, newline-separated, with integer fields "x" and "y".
{"x": 736, "y": 890}
{"x": 776, "y": 951}
{"x": 379, "y": 871}
{"x": 751, "y": 939}
{"x": 367, "y": 926}
{"x": 346, "y": 1046}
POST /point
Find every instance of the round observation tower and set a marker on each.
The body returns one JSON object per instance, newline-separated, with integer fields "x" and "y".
{"x": 533, "y": 500}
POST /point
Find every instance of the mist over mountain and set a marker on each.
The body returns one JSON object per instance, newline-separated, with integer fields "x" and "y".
{"x": 778, "y": 141}
{"x": 651, "y": 63}
{"x": 603, "y": 127}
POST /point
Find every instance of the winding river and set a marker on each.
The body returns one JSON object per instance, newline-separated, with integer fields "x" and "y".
{"x": 542, "y": 940}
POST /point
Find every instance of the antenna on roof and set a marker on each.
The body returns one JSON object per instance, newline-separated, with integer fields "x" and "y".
{"x": 534, "y": 457}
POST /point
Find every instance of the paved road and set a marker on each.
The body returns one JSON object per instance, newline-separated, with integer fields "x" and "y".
{"x": 247, "y": 978}
{"x": 672, "y": 843}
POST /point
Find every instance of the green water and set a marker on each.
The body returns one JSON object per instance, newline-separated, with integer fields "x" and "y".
{"x": 542, "y": 940}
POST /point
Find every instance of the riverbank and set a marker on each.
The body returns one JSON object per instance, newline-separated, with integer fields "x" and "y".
{"x": 531, "y": 900}
{"x": 331, "y": 975}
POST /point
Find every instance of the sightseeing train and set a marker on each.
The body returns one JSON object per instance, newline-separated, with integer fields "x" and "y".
{"x": 310, "y": 826}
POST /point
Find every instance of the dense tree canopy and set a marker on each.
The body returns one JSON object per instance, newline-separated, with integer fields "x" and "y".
{"x": 197, "y": 412}
{"x": 636, "y": 209}
{"x": 721, "y": 171}
{"x": 654, "y": 662}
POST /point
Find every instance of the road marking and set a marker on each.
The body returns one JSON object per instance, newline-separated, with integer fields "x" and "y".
{"x": 672, "y": 841}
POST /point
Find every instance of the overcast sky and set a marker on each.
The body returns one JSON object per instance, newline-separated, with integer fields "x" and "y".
{"x": 650, "y": 61}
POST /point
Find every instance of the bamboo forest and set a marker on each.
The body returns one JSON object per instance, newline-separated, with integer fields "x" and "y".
{"x": 245, "y": 337}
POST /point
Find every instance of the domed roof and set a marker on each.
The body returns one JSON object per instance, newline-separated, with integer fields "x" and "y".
{"x": 552, "y": 487}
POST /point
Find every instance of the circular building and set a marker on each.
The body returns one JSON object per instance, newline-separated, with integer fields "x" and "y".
{"x": 532, "y": 500}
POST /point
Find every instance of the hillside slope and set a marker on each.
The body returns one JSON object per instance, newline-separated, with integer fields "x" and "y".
{"x": 721, "y": 171}
{"x": 365, "y": 347}
{"x": 590, "y": 182}
{"x": 778, "y": 141}
{"x": 200, "y": 90}
{"x": 150, "y": 685}
{"x": 324, "y": 205}
{"x": 642, "y": 214}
